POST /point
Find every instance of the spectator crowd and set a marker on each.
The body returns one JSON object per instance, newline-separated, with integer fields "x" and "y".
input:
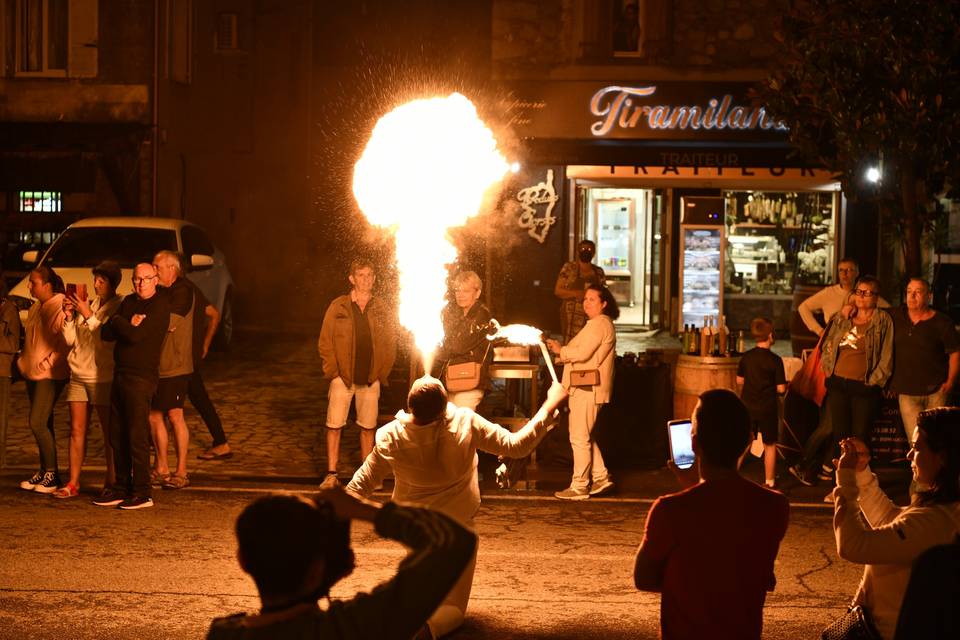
{"x": 708, "y": 549}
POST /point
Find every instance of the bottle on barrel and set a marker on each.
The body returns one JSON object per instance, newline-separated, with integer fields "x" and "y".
{"x": 741, "y": 343}
{"x": 719, "y": 342}
{"x": 705, "y": 338}
{"x": 694, "y": 340}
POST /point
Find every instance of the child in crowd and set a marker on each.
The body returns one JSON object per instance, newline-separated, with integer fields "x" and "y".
{"x": 761, "y": 377}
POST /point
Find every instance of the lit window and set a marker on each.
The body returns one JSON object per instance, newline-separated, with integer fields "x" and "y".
{"x": 40, "y": 202}
{"x": 42, "y": 27}
{"x": 627, "y": 32}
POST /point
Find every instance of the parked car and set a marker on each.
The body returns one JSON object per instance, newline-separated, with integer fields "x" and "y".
{"x": 129, "y": 240}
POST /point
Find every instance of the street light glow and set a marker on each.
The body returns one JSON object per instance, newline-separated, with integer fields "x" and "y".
{"x": 873, "y": 174}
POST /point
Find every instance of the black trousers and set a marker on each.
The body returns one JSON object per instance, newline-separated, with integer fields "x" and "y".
{"x": 197, "y": 393}
{"x": 130, "y": 400}
{"x": 853, "y": 407}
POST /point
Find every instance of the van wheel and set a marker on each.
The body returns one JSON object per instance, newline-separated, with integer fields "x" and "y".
{"x": 224, "y": 335}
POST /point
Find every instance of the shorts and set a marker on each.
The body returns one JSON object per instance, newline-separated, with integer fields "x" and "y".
{"x": 768, "y": 426}
{"x": 171, "y": 393}
{"x": 95, "y": 393}
{"x": 338, "y": 404}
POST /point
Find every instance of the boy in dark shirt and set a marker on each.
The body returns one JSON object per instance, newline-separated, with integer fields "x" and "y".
{"x": 761, "y": 377}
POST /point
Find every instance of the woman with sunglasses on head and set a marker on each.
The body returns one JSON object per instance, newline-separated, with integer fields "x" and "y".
{"x": 858, "y": 361}
{"x": 870, "y": 529}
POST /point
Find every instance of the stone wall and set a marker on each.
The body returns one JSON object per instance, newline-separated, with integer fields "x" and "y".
{"x": 536, "y": 36}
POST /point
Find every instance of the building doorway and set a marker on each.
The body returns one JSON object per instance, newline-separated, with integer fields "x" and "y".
{"x": 627, "y": 226}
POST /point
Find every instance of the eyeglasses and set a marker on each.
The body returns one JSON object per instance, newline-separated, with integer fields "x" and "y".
{"x": 864, "y": 293}
{"x": 137, "y": 281}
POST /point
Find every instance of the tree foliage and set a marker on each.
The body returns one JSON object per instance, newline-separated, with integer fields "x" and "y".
{"x": 862, "y": 82}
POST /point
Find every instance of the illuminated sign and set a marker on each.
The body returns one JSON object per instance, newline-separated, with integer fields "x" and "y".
{"x": 541, "y": 193}
{"x": 621, "y": 107}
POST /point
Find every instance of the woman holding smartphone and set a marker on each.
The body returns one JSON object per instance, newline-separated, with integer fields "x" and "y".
{"x": 588, "y": 378}
{"x": 91, "y": 367}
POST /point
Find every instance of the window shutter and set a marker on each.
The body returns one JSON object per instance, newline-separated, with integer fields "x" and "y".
{"x": 84, "y": 30}
{"x": 657, "y": 21}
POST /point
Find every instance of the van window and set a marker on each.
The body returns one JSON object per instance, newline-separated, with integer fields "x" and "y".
{"x": 195, "y": 241}
{"x": 89, "y": 246}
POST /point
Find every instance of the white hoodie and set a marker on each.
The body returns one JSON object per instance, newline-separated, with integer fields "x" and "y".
{"x": 887, "y": 539}
{"x": 90, "y": 358}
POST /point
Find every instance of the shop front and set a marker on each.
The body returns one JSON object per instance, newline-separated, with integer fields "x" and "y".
{"x": 699, "y": 213}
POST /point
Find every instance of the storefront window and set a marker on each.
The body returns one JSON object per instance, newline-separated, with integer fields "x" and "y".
{"x": 40, "y": 202}
{"x": 778, "y": 240}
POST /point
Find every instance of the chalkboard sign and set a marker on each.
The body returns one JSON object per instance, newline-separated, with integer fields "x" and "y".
{"x": 888, "y": 442}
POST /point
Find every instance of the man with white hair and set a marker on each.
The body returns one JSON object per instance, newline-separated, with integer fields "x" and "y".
{"x": 138, "y": 328}
{"x": 176, "y": 367}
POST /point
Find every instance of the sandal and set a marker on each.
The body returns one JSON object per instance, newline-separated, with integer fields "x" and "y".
{"x": 174, "y": 481}
{"x": 68, "y": 490}
{"x": 158, "y": 479}
{"x": 210, "y": 454}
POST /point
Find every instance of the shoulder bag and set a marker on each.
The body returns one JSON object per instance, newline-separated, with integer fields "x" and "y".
{"x": 464, "y": 376}
{"x": 584, "y": 378}
{"x": 811, "y": 382}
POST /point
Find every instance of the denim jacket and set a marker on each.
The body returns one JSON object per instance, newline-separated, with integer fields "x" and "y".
{"x": 878, "y": 342}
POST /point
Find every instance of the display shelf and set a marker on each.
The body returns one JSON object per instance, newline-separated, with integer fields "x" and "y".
{"x": 757, "y": 225}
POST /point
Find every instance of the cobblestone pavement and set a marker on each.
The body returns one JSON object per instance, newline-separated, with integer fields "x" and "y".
{"x": 271, "y": 398}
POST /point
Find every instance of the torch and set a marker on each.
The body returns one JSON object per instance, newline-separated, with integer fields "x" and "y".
{"x": 526, "y": 335}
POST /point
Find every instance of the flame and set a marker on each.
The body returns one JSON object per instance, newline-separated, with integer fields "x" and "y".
{"x": 517, "y": 333}
{"x": 425, "y": 170}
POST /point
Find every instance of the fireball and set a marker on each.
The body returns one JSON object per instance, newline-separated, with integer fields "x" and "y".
{"x": 426, "y": 169}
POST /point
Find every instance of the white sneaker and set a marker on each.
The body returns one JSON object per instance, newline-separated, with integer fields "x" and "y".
{"x": 572, "y": 494}
{"x": 31, "y": 483}
{"x": 601, "y": 487}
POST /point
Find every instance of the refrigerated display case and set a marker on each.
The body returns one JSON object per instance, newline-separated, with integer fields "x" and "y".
{"x": 614, "y": 221}
{"x": 701, "y": 272}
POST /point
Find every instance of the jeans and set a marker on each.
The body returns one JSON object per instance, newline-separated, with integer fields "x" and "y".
{"x": 197, "y": 393}
{"x": 911, "y": 406}
{"x": 130, "y": 401}
{"x": 43, "y": 396}
{"x": 587, "y": 462}
{"x": 853, "y": 407}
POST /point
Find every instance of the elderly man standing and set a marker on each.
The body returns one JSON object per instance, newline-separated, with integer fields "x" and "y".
{"x": 830, "y": 300}
{"x": 926, "y": 355}
{"x": 358, "y": 346}
{"x": 176, "y": 367}
{"x": 138, "y": 328}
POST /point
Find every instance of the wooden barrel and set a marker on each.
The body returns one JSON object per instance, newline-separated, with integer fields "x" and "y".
{"x": 694, "y": 375}
{"x": 800, "y": 337}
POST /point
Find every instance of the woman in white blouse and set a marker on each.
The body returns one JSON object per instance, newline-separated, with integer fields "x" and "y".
{"x": 593, "y": 349}
{"x": 872, "y": 530}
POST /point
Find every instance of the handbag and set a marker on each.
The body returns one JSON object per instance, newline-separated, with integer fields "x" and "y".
{"x": 811, "y": 382}
{"x": 584, "y": 378}
{"x": 853, "y": 625}
{"x": 462, "y": 377}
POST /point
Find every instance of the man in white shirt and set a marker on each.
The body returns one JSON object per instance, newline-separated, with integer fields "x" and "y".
{"x": 830, "y": 300}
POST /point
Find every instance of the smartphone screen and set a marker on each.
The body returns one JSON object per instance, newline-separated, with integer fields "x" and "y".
{"x": 82, "y": 291}
{"x": 681, "y": 446}
{"x": 71, "y": 289}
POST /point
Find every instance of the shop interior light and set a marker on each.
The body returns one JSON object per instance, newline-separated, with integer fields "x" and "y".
{"x": 514, "y": 167}
{"x": 873, "y": 174}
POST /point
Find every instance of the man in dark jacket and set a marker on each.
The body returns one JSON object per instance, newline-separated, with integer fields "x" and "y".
{"x": 138, "y": 327}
